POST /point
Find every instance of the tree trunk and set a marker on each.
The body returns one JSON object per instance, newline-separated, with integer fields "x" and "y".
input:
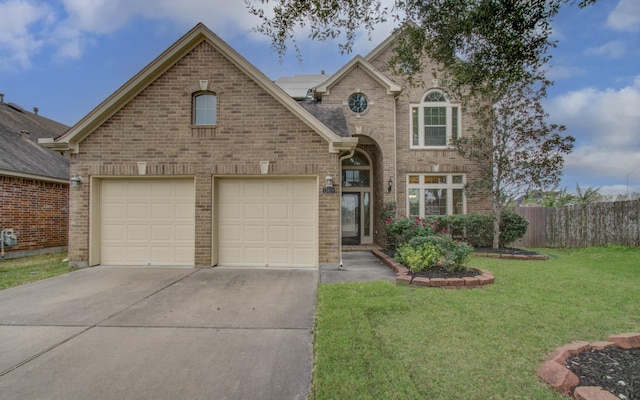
{"x": 497, "y": 212}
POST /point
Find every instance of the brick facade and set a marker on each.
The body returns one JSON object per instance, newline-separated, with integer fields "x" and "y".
{"x": 36, "y": 211}
{"x": 253, "y": 125}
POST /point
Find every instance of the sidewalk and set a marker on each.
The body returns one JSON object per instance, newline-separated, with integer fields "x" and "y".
{"x": 358, "y": 266}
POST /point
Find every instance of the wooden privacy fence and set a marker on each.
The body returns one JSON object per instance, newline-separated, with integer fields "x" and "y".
{"x": 596, "y": 224}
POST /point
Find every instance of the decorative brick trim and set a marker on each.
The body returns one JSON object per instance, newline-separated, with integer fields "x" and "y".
{"x": 554, "y": 372}
{"x": 403, "y": 276}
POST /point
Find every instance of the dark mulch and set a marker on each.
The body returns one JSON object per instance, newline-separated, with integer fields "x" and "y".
{"x": 440, "y": 272}
{"x": 506, "y": 250}
{"x": 614, "y": 369}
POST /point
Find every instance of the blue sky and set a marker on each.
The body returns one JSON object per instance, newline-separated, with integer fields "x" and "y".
{"x": 66, "y": 56}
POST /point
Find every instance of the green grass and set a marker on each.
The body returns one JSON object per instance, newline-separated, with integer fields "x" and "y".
{"x": 381, "y": 341}
{"x": 18, "y": 271}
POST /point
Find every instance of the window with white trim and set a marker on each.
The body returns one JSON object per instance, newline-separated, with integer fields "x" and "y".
{"x": 435, "y": 194}
{"x": 205, "y": 109}
{"x": 435, "y": 121}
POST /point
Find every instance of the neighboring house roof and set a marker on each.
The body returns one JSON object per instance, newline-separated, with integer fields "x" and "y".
{"x": 359, "y": 61}
{"x": 72, "y": 138}
{"x": 20, "y": 154}
{"x": 298, "y": 86}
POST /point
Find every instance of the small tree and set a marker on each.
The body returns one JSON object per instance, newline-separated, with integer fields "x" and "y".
{"x": 513, "y": 147}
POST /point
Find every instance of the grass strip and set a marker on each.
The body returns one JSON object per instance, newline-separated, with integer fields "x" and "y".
{"x": 18, "y": 271}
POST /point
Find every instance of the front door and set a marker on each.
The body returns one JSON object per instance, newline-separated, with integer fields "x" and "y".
{"x": 351, "y": 218}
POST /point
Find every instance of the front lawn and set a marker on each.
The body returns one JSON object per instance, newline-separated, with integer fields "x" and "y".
{"x": 381, "y": 341}
{"x": 18, "y": 271}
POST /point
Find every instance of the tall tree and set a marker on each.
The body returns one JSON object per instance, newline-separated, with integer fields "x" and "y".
{"x": 493, "y": 54}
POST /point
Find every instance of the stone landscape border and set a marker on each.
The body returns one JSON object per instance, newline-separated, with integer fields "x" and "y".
{"x": 555, "y": 373}
{"x": 404, "y": 277}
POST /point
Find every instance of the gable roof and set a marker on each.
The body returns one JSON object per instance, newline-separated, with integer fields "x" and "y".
{"x": 20, "y": 155}
{"x": 359, "y": 61}
{"x": 72, "y": 138}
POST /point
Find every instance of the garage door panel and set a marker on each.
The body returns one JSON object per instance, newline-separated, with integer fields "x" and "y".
{"x": 254, "y": 255}
{"x": 184, "y": 233}
{"x": 279, "y": 233}
{"x": 255, "y": 189}
{"x": 254, "y": 233}
{"x": 303, "y": 211}
{"x": 136, "y": 232}
{"x": 279, "y": 211}
{"x": 303, "y": 234}
{"x": 270, "y": 212}
{"x": 279, "y": 255}
{"x": 185, "y": 211}
{"x": 301, "y": 255}
{"x": 147, "y": 222}
{"x": 161, "y": 232}
{"x": 254, "y": 211}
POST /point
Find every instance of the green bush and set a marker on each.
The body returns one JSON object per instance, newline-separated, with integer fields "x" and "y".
{"x": 424, "y": 252}
{"x": 418, "y": 259}
{"x": 512, "y": 227}
{"x": 476, "y": 230}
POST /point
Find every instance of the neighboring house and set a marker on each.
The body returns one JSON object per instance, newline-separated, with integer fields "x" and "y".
{"x": 34, "y": 183}
{"x": 201, "y": 160}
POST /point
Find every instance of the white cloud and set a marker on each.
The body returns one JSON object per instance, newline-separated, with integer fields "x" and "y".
{"x": 626, "y": 16}
{"x": 613, "y": 49}
{"x": 606, "y": 125}
{"x": 20, "y": 21}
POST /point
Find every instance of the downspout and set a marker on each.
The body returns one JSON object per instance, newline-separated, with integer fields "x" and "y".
{"x": 395, "y": 154}
{"x": 348, "y": 155}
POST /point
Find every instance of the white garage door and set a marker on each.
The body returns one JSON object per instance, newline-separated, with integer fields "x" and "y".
{"x": 267, "y": 222}
{"x": 147, "y": 222}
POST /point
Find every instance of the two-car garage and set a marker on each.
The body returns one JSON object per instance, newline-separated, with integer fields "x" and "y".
{"x": 266, "y": 222}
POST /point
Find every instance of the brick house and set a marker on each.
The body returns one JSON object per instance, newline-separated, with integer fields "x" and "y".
{"x": 200, "y": 159}
{"x": 34, "y": 183}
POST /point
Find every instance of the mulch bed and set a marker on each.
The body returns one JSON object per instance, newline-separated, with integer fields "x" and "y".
{"x": 506, "y": 250}
{"x": 614, "y": 369}
{"x": 440, "y": 272}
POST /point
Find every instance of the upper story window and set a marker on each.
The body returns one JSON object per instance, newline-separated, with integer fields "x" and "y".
{"x": 435, "y": 121}
{"x": 205, "y": 109}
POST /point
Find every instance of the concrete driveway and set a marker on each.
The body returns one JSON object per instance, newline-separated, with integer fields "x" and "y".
{"x": 159, "y": 333}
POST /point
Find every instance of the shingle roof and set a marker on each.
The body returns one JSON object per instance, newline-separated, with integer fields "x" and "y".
{"x": 23, "y": 155}
{"x": 330, "y": 115}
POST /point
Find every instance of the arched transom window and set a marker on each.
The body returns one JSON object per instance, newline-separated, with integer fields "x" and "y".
{"x": 435, "y": 121}
{"x": 205, "y": 109}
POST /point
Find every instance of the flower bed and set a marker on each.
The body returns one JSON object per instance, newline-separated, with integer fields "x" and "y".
{"x": 405, "y": 277}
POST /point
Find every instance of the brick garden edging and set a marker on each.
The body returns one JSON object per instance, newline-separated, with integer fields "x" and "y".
{"x": 403, "y": 276}
{"x": 554, "y": 372}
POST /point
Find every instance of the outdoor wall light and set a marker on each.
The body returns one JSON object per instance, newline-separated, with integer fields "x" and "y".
{"x": 76, "y": 180}
{"x": 389, "y": 185}
{"x": 329, "y": 181}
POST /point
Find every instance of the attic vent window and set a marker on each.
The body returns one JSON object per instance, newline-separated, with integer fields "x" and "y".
{"x": 205, "y": 109}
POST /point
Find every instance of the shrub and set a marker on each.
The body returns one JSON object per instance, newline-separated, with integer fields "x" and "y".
{"x": 418, "y": 259}
{"x": 512, "y": 227}
{"x": 449, "y": 253}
